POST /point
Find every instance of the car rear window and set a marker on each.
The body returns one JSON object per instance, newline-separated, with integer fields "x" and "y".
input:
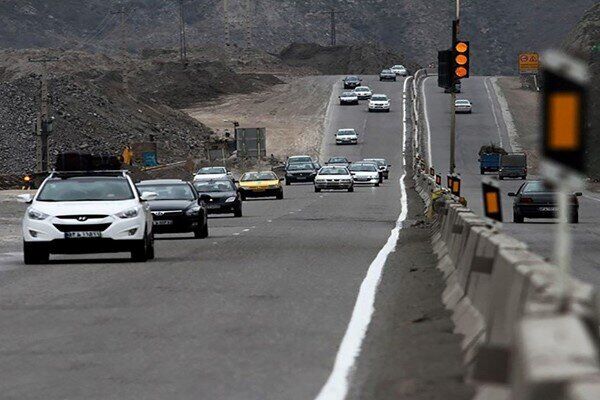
{"x": 514, "y": 161}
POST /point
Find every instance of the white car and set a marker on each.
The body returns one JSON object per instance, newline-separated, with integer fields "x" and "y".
{"x": 379, "y": 102}
{"x": 382, "y": 165}
{"x": 87, "y": 212}
{"x": 346, "y": 136}
{"x": 463, "y": 106}
{"x": 335, "y": 177}
{"x": 366, "y": 173}
{"x": 212, "y": 173}
{"x": 363, "y": 92}
{"x": 399, "y": 70}
{"x": 348, "y": 98}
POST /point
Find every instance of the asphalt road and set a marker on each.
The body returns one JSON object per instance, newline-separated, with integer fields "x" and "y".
{"x": 486, "y": 125}
{"x": 256, "y": 311}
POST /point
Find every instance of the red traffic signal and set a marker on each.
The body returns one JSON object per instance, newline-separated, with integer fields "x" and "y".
{"x": 460, "y": 59}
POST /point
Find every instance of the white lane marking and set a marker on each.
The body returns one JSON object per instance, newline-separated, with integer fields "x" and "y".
{"x": 427, "y": 119}
{"x": 587, "y": 196}
{"x": 269, "y": 221}
{"x": 8, "y": 257}
{"x": 513, "y": 136}
{"x": 489, "y": 94}
{"x": 246, "y": 230}
{"x": 337, "y": 385}
{"x": 236, "y": 234}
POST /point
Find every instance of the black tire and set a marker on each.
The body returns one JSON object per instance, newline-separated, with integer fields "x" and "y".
{"x": 287, "y": 182}
{"x": 237, "y": 213}
{"x": 150, "y": 249}
{"x": 317, "y": 190}
{"x": 500, "y": 177}
{"x": 351, "y": 189}
{"x": 376, "y": 185}
{"x": 574, "y": 219}
{"x": 243, "y": 196}
{"x": 279, "y": 196}
{"x": 387, "y": 111}
{"x": 139, "y": 251}
{"x": 202, "y": 232}
{"x": 34, "y": 253}
{"x": 519, "y": 219}
{"x": 482, "y": 171}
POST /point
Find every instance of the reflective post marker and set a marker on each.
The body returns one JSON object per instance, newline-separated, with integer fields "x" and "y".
{"x": 492, "y": 202}
{"x": 438, "y": 180}
{"x": 431, "y": 171}
{"x": 456, "y": 182}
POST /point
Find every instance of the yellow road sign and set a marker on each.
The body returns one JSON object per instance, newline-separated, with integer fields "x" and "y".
{"x": 529, "y": 63}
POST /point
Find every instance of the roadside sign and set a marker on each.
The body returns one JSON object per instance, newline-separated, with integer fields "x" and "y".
{"x": 438, "y": 180}
{"x": 564, "y": 108}
{"x": 431, "y": 171}
{"x": 529, "y": 63}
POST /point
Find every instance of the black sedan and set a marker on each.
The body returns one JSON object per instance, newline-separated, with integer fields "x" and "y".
{"x": 178, "y": 207}
{"x": 351, "y": 82}
{"x": 536, "y": 199}
{"x": 221, "y": 196}
{"x": 387, "y": 75}
{"x": 304, "y": 172}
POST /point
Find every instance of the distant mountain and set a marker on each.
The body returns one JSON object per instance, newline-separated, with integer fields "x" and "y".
{"x": 498, "y": 29}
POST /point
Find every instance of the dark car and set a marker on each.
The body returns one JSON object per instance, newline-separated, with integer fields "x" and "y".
{"x": 304, "y": 172}
{"x": 513, "y": 166}
{"x": 178, "y": 207}
{"x": 387, "y": 75}
{"x": 536, "y": 199}
{"x": 351, "y": 82}
{"x": 220, "y": 196}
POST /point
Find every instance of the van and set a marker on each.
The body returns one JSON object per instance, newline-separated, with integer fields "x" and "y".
{"x": 513, "y": 166}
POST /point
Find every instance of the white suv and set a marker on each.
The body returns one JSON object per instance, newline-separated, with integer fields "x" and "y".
{"x": 87, "y": 212}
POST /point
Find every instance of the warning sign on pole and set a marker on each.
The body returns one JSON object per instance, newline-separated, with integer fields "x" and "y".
{"x": 529, "y": 63}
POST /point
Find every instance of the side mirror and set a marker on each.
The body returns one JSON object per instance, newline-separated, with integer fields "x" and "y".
{"x": 389, "y": 165}
{"x": 25, "y": 198}
{"x": 204, "y": 198}
{"x": 149, "y": 196}
{"x": 578, "y": 194}
{"x": 512, "y": 194}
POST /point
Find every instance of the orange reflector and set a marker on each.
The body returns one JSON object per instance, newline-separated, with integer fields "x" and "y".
{"x": 564, "y": 120}
{"x": 455, "y": 186}
{"x": 461, "y": 47}
{"x": 461, "y": 72}
{"x": 27, "y": 179}
{"x": 492, "y": 203}
{"x": 461, "y": 59}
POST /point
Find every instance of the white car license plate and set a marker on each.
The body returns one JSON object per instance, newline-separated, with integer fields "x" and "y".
{"x": 548, "y": 208}
{"x": 163, "y": 222}
{"x": 82, "y": 235}
{"x": 212, "y": 206}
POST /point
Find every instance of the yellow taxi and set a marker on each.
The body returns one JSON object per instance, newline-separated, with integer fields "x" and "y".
{"x": 260, "y": 184}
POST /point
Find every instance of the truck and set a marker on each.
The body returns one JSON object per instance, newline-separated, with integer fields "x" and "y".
{"x": 489, "y": 158}
{"x": 513, "y": 166}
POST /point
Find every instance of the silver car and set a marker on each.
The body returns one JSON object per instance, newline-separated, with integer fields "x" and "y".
{"x": 334, "y": 178}
{"x": 463, "y": 106}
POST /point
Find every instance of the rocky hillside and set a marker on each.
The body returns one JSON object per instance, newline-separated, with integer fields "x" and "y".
{"x": 584, "y": 41}
{"x": 498, "y": 29}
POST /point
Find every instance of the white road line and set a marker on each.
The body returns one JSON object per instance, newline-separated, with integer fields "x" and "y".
{"x": 511, "y": 129}
{"x": 489, "y": 94}
{"x": 246, "y": 230}
{"x": 587, "y": 196}
{"x": 427, "y": 120}
{"x": 337, "y": 385}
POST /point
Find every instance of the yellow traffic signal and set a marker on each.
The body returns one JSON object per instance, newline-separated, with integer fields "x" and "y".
{"x": 462, "y": 47}
{"x": 461, "y": 59}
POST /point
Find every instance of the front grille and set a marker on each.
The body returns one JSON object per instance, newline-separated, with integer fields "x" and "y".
{"x": 82, "y": 227}
{"x": 83, "y": 217}
{"x": 167, "y": 213}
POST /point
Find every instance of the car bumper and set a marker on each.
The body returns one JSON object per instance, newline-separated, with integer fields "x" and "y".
{"x": 512, "y": 174}
{"x": 379, "y": 109}
{"x": 292, "y": 178}
{"x": 261, "y": 193}
{"x": 371, "y": 181}
{"x": 344, "y": 102}
{"x": 463, "y": 110}
{"x": 225, "y": 208}
{"x": 178, "y": 224}
{"x": 346, "y": 141}
{"x": 545, "y": 211}
{"x": 334, "y": 185}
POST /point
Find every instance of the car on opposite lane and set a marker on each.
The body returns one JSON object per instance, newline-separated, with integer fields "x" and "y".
{"x": 87, "y": 212}
{"x": 298, "y": 159}
{"x": 300, "y": 172}
{"x": 379, "y": 102}
{"x": 387, "y": 75}
{"x": 463, "y": 106}
{"x": 537, "y": 199}
{"x": 332, "y": 177}
{"x": 382, "y": 165}
{"x": 346, "y": 136}
{"x": 210, "y": 173}
{"x": 352, "y": 82}
{"x": 220, "y": 196}
{"x": 365, "y": 173}
{"x": 348, "y": 98}
{"x": 338, "y": 161}
{"x": 399, "y": 70}
{"x": 260, "y": 184}
{"x": 178, "y": 207}
{"x": 363, "y": 92}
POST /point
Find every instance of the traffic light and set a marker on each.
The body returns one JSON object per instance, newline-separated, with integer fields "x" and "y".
{"x": 460, "y": 60}
{"x": 445, "y": 69}
{"x": 564, "y": 106}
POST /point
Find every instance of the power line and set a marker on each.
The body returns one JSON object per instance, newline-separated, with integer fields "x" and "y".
{"x": 182, "y": 34}
{"x": 333, "y": 23}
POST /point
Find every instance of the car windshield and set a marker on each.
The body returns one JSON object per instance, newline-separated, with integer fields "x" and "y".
{"x": 346, "y": 132}
{"x": 338, "y": 160}
{"x": 258, "y": 176}
{"x": 178, "y": 191}
{"x": 86, "y": 189}
{"x": 214, "y": 186}
{"x": 348, "y": 94}
{"x": 298, "y": 167}
{"x": 212, "y": 170}
{"x": 379, "y": 162}
{"x": 363, "y": 167}
{"x": 361, "y": 89}
{"x": 379, "y": 98}
{"x": 352, "y": 78}
{"x": 333, "y": 171}
{"x": 386, "y": 71}
{"x": 398, "y": 66}
{"x": 537, "y": 187}
{"x": 299, "y": 159}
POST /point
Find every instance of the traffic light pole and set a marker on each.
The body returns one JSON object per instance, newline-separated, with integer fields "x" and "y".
{"x": 455, "y": 27}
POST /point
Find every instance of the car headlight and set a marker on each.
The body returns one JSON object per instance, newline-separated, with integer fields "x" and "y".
{"x": 193, "y": 211}
{"x": 127, "y": 214}
{"x": 231, "y": 199}
{"x": 36, "y": 215}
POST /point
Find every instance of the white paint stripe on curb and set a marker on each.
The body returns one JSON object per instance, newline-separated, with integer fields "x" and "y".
{"x": 337, "y": 385}
{"x": 489, "y": 94}
{"x": 513, "y": 136}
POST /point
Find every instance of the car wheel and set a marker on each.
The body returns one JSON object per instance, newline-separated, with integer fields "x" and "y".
{"x": 482, "y": 171}
{"x": 287, "y": 182}
{"x": 237, "y": 213}
{"x": 279, "y": 195}
{"x": 150, "y": 249}
{"x": 202, "y": 232}
{"x": 243, "y": 196}
{"x": 351, "y": 189}
{"x": 376, "y": 184}
{"x": 139, "y": 251}
{"x": 574, "y": 219}
{"x": 500, "y": 177}
{"x": 317, "y": 190}
{"x": 519, "y": 219}
{"x": 34, "y": 253}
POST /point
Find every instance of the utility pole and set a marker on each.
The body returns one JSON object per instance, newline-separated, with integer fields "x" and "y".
{"x": 455, "y": 32}
{"x": 226, "y": 23}
{"x": 182, "y": 35}
{"x": 44, "y": 121}
{"x": 248, "y": 26}
{"x": 122, "y": 13}
{"x": 333, "y": 28}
